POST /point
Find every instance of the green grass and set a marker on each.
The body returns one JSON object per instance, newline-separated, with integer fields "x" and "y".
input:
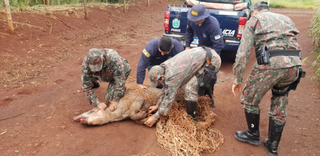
{"x": 315, "y": 33}
{"x": 304, "y": 4}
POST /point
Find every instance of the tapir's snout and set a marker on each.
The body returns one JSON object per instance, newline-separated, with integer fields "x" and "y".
{"x": 92, "y": 117}
{"x": 83, "y": 117}
{"x": 79, "y": 120}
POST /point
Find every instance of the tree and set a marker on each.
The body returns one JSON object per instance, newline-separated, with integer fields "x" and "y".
{"x": 85, "y": 9}
{"x": 8, "y": 15}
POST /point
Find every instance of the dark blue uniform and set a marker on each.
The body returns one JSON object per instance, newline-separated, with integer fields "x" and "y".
{"x": 152, "y": 56}
{"x": 209, "y": 34}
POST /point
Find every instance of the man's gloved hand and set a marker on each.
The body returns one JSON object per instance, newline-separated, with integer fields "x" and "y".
{"x": 151, "y": 121}
{"x": 113, "y": 106}
{"x": 140, "y": 86}
{"x": 102, "y": 106}
{"x": 153, "y": 108}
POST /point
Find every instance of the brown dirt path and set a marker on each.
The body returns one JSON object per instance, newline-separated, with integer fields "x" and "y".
{"x": 40, "y": 82}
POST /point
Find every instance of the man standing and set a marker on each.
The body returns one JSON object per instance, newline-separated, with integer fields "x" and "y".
{"x": 206, "y": 27}
{"x": 105, "y": 65}
{"x": 156, "y": 51}
{"x": 177, "y": 72}
{"x": 277, "y": 68}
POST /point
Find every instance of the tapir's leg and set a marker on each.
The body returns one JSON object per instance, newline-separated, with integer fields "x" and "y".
{"x": 144, "y": 108}
{"x": 141, "y": 121}
{"x": 136, "y": 112}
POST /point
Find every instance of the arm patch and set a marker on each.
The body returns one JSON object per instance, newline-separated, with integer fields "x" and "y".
{"x": 217, "y": 37}
{"x": 145, "y": 53}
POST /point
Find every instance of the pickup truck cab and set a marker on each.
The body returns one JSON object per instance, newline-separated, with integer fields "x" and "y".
{"x": 231, "y": 14}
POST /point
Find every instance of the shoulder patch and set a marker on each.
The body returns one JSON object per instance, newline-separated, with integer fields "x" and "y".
{"x": 145, "y": 53}
{"x": 217, "y": 37}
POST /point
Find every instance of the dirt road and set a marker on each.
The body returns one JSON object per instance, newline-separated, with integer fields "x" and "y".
{"x": 40, "y": 86}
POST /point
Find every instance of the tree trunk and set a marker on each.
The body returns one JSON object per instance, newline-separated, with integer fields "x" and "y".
{"x": 124, "y": 5}
{"x": 8, "y": 14}
{"x": 148, "y": 3}
{"x": 85, "y": 9}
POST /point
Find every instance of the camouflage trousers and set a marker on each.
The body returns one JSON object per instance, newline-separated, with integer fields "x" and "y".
{"x": 192, "y": 88}
{"x": 260, "y": 82}
{"x": 111, "y": 93}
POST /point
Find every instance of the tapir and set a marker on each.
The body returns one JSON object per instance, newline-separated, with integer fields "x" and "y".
{"x": 133, "y": 105}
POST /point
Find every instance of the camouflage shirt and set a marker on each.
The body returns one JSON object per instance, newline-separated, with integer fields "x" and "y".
{"x": 178, "y": 71}
{"x": 114, "y": 68}
{"x": 275, "y": 31}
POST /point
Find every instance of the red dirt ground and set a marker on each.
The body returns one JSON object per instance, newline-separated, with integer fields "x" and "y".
{"x": 40, "y": 86}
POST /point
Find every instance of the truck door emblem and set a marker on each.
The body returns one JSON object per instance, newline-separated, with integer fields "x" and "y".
{"x": 175, "y": 23}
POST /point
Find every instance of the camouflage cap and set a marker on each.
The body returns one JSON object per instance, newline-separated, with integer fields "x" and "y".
{"x": 95, "y": 59}
{"x": 154, "y": 74}
{"x": 259, "y": 4}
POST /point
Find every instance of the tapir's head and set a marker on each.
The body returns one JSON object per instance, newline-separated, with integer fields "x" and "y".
{"x": 92, "y": 117}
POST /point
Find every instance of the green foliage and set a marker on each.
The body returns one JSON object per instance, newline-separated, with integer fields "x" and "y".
{"x": 24, "y": 3}
{"x": 272, "y": 5}
{"x": 315, "y": 30}
{"x": 315, "y": 33}
{"x": 305, "y": 4}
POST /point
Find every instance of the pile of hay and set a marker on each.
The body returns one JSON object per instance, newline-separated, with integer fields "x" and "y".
{"x": 182, "y": 136}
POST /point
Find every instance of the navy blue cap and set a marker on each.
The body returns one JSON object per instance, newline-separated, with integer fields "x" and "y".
{"x": 198, "y": 12}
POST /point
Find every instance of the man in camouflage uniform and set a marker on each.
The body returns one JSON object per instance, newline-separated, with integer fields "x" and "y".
{"x": 105, "y": 65}
{"x": 178, "y": 71}
{"x": 278, "y": 33}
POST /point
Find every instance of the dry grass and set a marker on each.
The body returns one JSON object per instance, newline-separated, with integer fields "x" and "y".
{"x": 19, "y": 75}
{"x": 61, "y": 8}
{"x": 26, "y": 71}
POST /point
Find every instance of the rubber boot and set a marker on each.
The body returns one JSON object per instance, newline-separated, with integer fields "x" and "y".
{"x": 95, "y": 84}
{"x": 192, "y": 110}
{"x": 251, "y": 135}
{"x": 274, "y": 136}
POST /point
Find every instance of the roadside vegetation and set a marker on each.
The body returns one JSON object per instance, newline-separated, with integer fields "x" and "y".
{"x": 315, "y": 33}
{"x": 303, "y": 4}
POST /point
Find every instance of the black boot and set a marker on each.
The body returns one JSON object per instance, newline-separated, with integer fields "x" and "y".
{"x": 192, "y": 110}
{"x": 275, "y": 132}
{"x": 251, "y": 135}
{"x": 95, "y": 84}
